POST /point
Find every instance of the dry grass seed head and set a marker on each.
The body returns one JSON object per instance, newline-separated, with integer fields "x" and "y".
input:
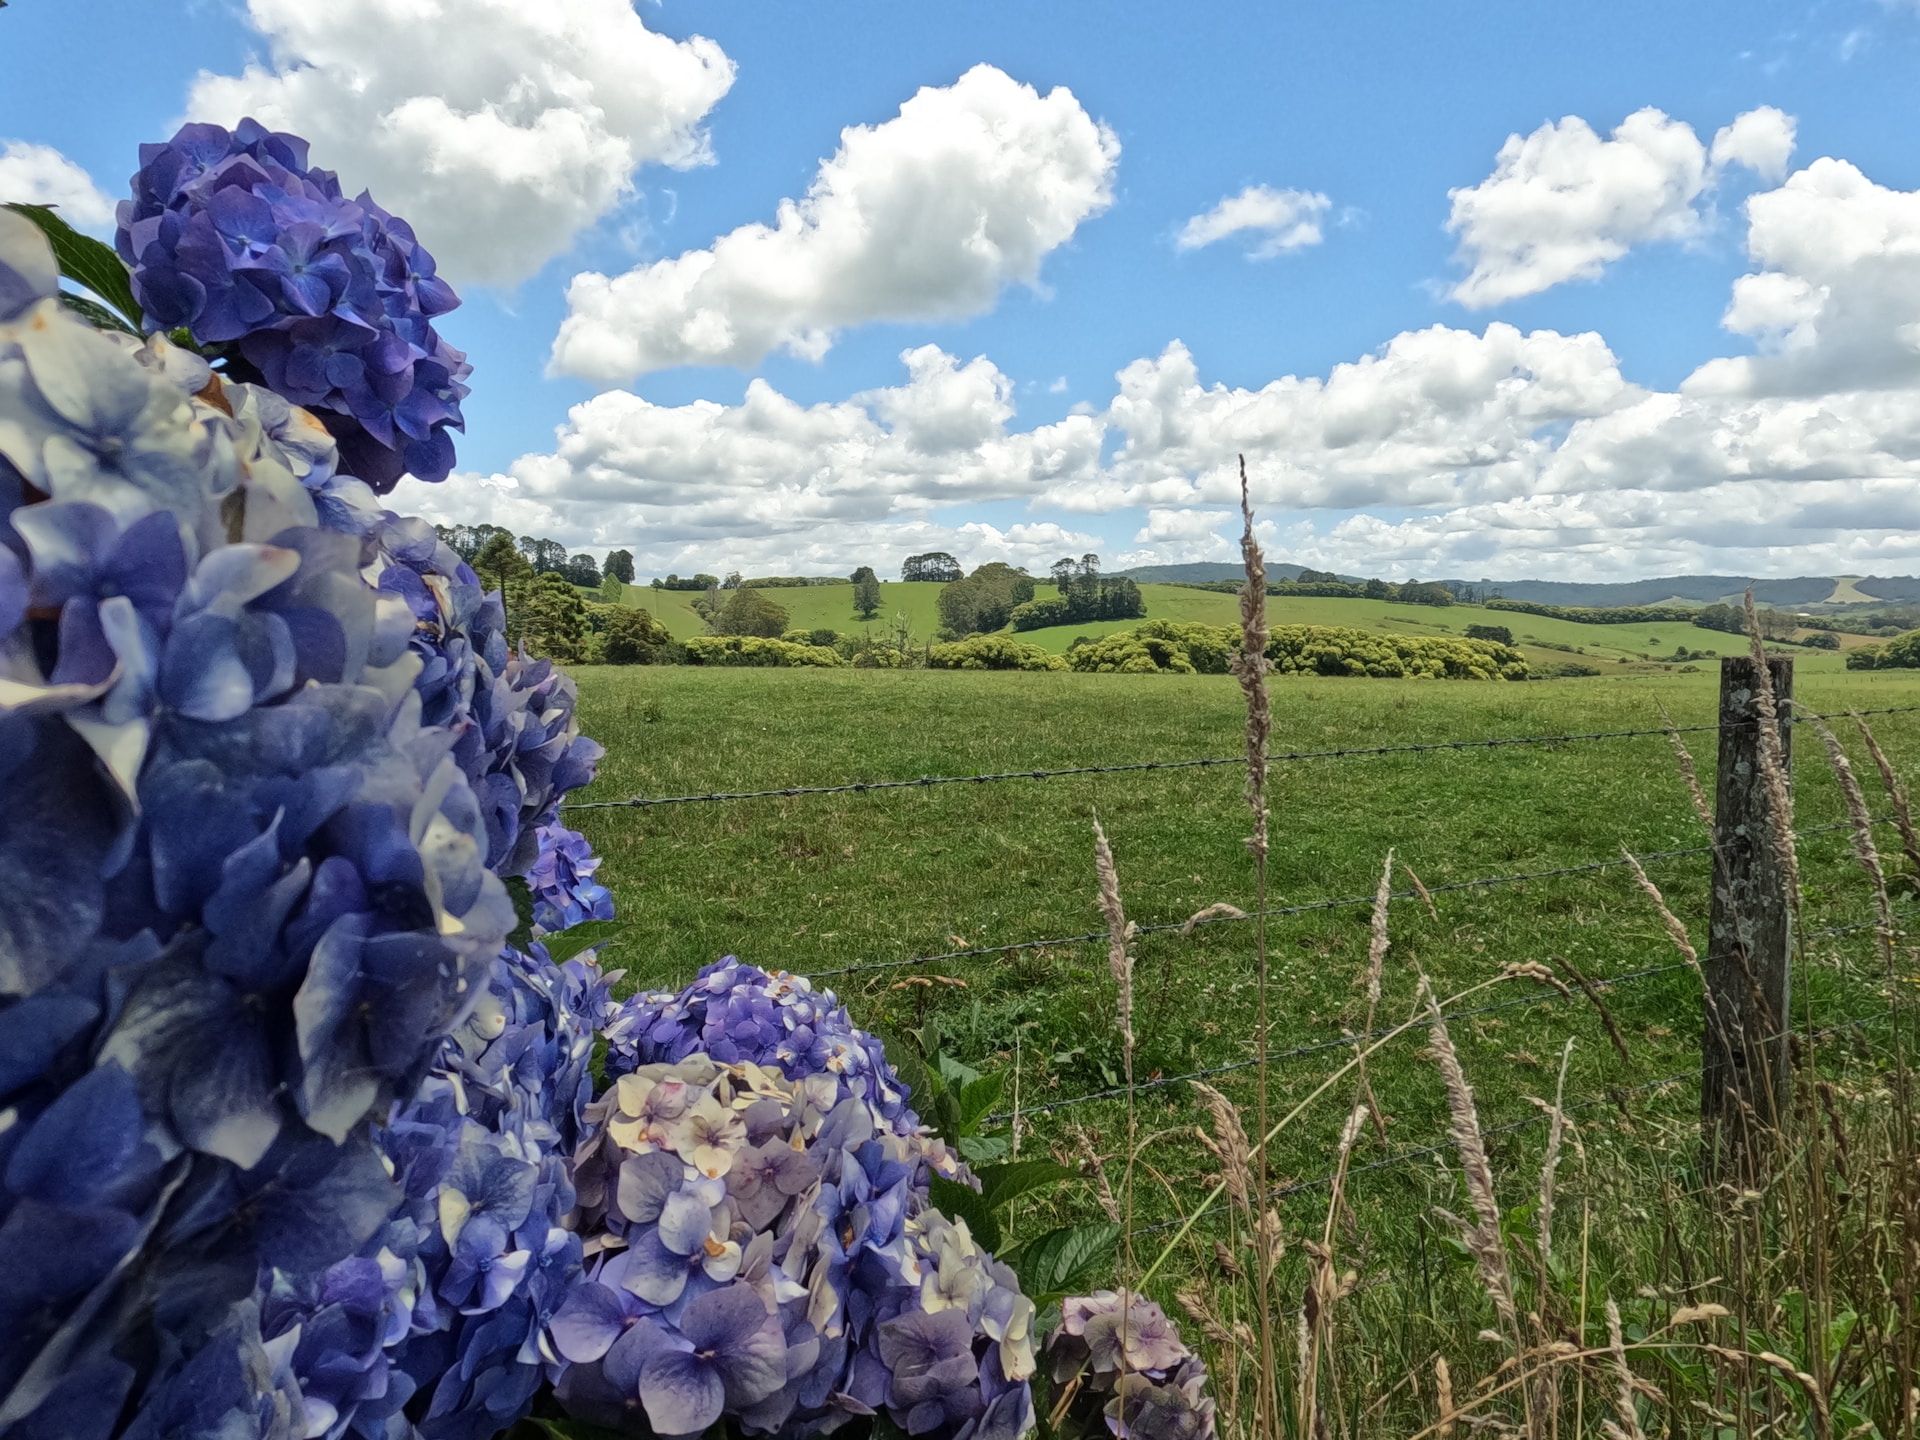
{"x": 1483, "y": 1237}
{"x": 1219, "y": 910}
{"x": 1250, "y": 665}
{"x": 1550, "y": 1165}
{"x": 1119, "y": 958}
{"x": 1229, "y": 1142}
{"x": 1689, "y": 774}
{"x": 1626, "y": 1425}
{"x": 1378, "y": 941}
{"x": 1896, "y": 795}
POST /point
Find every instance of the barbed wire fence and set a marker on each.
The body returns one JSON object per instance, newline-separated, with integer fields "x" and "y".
{"x": 1589, "y": 990}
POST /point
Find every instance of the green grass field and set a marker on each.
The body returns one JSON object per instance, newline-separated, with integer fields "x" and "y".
{"x": 824, "y": 882}
{"x": 1638, "y": 646}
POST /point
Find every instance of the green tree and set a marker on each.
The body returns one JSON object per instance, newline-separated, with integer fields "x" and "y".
{"x": 500, "y": 563}
{"x": 620, "y": 566}
{"x": 866, "y": 592}
{"x": 747, "y": 611}
{"x": 634, "y": 638}
{"x": 612, "y": 590}
{"x": 548, "y": 617}
{"x": 932, "y": 565}
{"x": 583, "y": 571}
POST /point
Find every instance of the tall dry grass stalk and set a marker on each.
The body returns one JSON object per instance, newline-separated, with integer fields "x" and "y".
{"x": 1896, "y": 796}
{"x": 1550, "y": 1164}
{"x": 1626, "y": 1422}
{"x": 1250, "y": 670}
{"x": 1379, "y": 941}
{"x": 1483, "y": 1238}
{"x": 1120, "y": 963}
{"x": 1689, "y": 773}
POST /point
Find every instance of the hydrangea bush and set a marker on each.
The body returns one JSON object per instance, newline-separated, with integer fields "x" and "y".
{"x": 298, "y": 1135}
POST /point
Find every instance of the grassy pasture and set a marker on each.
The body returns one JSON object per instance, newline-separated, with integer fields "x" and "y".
{"x": 817, "y": 883}
{"x": 831, "y": 607}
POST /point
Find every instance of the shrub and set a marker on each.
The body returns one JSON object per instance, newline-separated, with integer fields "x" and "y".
{"x": 819, "y": 636}
{"x": 992, "y": 652}
{"x": 634, "y": 637}
{"x": 1900, "y": 653}
{"x": 754, "y": 650}
{"x": 1498, "y": 634}
{"x": 1822, "y": 640}
{"x": 1039, "y": 614}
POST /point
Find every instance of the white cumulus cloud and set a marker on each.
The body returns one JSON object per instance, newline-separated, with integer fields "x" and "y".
{"x": 500, "y": 128}
{"x": 1834, "y": 299}
{"x": 1563, "y": 203}
{"x": 928, "y": 215}
{"x": 40, "y": 175}
{"x": 1276, "y": 221}
{"x": 1760, "y": 140}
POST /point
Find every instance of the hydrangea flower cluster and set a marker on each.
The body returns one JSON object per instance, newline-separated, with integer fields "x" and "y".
{"x": 734, "y": 1011}
{"x": 232, "y": 236}
{"x": 757, "y": 1249}
{"x": 1134, "y": 1372}
{"x": 243, "y": 888}
{"x": 435, "y": 1324}
{"x": 564, "y": 890}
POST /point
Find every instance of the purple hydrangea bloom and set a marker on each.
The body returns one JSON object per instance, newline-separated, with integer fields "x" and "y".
{"x": 328, "y": 301}
{"x": 433, "y": 1329}
{"x": 1135, "y": 1375}
{"x": 243, "y": 889}
{"x": 564, "y": 890}
{"x": 734, "y": 1011}
{"x": 758, "y": 1250}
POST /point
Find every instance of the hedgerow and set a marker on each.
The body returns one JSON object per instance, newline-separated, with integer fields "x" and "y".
{"x": 1165, "y": 646}
{"x": 992, "y": 652}
{"x": 1599, "y": 615}
{"x": 755, "y": 650}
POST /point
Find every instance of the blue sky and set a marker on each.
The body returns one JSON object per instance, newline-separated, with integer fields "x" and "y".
{"x": 1479, "y": 450}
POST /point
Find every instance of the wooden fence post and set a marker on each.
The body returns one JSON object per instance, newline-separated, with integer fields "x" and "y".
{"x": 1744, "y": 1071}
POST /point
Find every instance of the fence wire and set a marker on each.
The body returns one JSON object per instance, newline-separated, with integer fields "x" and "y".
{"x": 1449, "y": 887}
{"x": 1349, "y": 1040}
{"x": 1614, "y": 1096}
{"x": 927, "y": 782}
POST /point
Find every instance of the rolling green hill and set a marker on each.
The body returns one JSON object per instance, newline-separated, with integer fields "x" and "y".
{"x": 831, "y": 607}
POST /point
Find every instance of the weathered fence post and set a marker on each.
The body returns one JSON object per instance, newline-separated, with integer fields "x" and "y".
{"x": 1745, "y": 1072}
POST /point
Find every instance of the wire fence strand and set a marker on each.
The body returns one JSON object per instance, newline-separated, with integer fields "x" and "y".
{"x": 1613, "y": 1095}
{"x": 1451, "y": 887}
{"x": 1204, "y": 762}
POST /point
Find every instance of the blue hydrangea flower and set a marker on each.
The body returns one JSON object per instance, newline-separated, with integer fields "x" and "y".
{"x": 328, "y": 301}
{"x": 758, "y": 1250}
{"x": 1134, "y": 1374}
{"x": 734, "y": 1011}
{"x": 243, "y": 888}
{"x": 564, "y": 890}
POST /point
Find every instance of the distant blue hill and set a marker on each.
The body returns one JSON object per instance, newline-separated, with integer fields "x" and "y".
{"x": 1794, "y": 591}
